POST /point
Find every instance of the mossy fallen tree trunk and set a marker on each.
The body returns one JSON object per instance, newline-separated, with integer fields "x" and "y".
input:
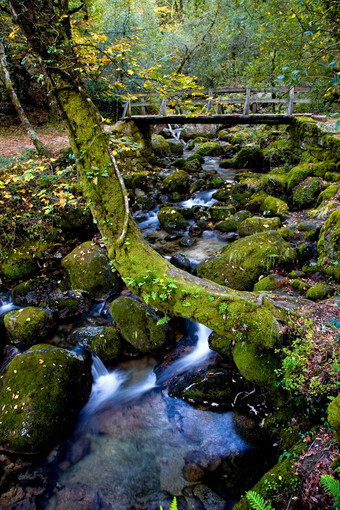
{"x": 148, "y": 274}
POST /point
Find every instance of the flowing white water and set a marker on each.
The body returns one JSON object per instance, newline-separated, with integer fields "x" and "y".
{"x": 6, "y": 306}
{"x": 200, "y": 198}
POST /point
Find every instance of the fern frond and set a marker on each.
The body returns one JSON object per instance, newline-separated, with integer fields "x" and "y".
{"x": 332, "y": 487}
{"x": 257, "y": 502}
{"x": 173, "y": 505}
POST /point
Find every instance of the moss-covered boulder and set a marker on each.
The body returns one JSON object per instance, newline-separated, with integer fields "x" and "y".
{"x": 306, "y": 193}
{"x": 209, "y": 149}
{"x": 333, "y": 416}
{"x": 328, "y": 193}
{"x": 36, "y": 291}
{"x": 258, "y": 224}
{"x": 88, "y": 268}
{"x": 299, "y": 285}
{"x": 42, "y": 391}
{"x": 268, "y": 283}
{"x": 242, "y": 262}
{"x": 176, "y": 146}
{"x": 298, "y": 174}
{"x": 160, "y": 146}
{"x": 104, "y": 341}
{"x": 255, "y": 364}
{"x": 329, "y": 246}
{"x": 77, "y": 220}
{"x": 69, "y": 304}
{"x": 18, "y": 265}
{"x": 138, "y": 325}
{"x": 232, "y": 224}
{"x": 171, "y": 220}
{"x": 249, "y": 157}
{"x": 192, "y": 166}
{"x": 272, "y": 206}
{"x": 177, "y": 181}
{"x": 223, "y": 212}
{"x": 29, "y": 326}
{"x": 319, "y": 291}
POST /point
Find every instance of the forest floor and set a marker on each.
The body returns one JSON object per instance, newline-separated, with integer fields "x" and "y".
{"x": 13, "y": 140}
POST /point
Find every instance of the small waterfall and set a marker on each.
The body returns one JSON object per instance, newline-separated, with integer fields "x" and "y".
{"x": 175, "y": 131}
{"x": 6, "y": 306}
{"x": 203, "y": 198}
{"x": 105, "y": 385}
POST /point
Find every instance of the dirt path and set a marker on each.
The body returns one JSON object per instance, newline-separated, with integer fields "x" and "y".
{"x": 14, "y": 141}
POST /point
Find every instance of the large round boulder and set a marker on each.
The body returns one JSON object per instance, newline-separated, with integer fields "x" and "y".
{"x": 210, "y": 149}
{"x": 29, "y": 326}
{"x": 160, "y": 146}
{"x": 104, "y": 341}
{"x": 242, "y": 262}
{"x": 138, "y": 324}
{"x": 258, "y": 224}
{"x": 176, "y": 181}
{"x": 42, "y": 391}
{"x": 88, "y": 268}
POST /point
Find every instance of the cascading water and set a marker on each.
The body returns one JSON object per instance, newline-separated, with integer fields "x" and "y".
{"x": 6, "y": 305}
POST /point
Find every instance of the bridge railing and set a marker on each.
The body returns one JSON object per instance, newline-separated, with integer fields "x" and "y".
{"x": 219, "y": 100}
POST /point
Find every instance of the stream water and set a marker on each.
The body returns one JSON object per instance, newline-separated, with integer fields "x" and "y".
{"x": 134, "y": 446}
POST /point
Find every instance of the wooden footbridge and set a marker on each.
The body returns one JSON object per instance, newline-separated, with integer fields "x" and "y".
{"x": 227, "y": 106}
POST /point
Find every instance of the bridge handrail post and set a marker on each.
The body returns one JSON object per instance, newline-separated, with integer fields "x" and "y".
{"x": 291, "y": 100}
{"x": 247, "y": 102}
{"x": 210, "y": 100}
{"x": 162, "y": 110}
{"x": 125, "y": 109}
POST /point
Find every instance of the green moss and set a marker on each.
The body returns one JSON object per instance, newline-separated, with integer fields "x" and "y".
{"x": 319, "y": 291}
{"x": 332, "y": 176}
{"x": 171, "y": 220}
{"x": 333, "y": 416}
{"x": 328, "y": 193}
{"x": 160, "y": 146}
{"x": 299, "y": 285}
{"x": 256, "y": 200}
{"x": 138, "y": 324}
{"x": 320, "y": 169}
{"x": 192, "y": 166}
{"x": 249, "y": 157}
{"x": 232, "y": 224}
{"x": 306, "y": 193}
{"x": 256, "y": 365}
{"x": 269, "y": 282}
{"x": 298, "y": 174}
{"x": 209, "y": 149}
{"x": 89, "y": 269}
{"x": 242, "y": 262}
{"x": 18, "y": 266}
{"x": 329, "y": 246}
{"x": 29, "y": 326}
{"x": 177, "y": 181}
{"x": 273, "y": 206}
{"x": 42, "y": 392}
{"x": 221, "y": 213}
{"x": 176, "y": 146}
{"x": 258, "y": 224}
{"x": 107, "y": 345}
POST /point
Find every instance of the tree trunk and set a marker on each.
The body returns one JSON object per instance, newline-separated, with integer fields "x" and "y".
{"x": 148, "y": 274}
{"x": 41, "y": 149}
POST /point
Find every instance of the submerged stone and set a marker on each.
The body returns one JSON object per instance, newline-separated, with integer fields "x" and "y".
{"x": 42, "y": 391}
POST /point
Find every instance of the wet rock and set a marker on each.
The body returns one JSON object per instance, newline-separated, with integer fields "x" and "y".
{"x": 181, "y": 262}
{"x": 88, "y": 268}
{"x": 146, "y": 203}
{"x": 18, "y": 266}
{"x": 299, "y": 285}
{"x": 70, "y": 304}
{"x": 209, "y": 149}
{"x": 138, "y": 325}
{"x": 222, "y": 213}
{"x": 35, "y": 291}
{"x": 195, "y": 231}
{"x": 29, "y": 326}
{"x": 209, "y": 498}
{"x": 176, "y": 146}
{"x": 176, "y": 181}
{"x": 170, "y": 219}
{"x": 105, "y": 342}
{"x": 160, "y": 146}
{"x": 242, "y": 263}
{"x": 270, "y": 282}
{"x": 201, "y": 212}
{"x": 258, "y": 224}
{"x": 306, "y": 251}
{"x": 193, "y": 131}
{"x": 187, "y": 241}
{"x": 82, "y": 497}
{"x": 249, "y": 157}
{"x": 42, "y": 391}
{"x": 232, "y": 223}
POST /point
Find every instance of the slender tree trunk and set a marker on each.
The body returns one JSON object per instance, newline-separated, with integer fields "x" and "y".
{"x": 144, "y": 270}
{"x": 41, "y": 149}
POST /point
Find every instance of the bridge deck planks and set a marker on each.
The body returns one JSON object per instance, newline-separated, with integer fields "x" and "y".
{"x": 227, "y": 120}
